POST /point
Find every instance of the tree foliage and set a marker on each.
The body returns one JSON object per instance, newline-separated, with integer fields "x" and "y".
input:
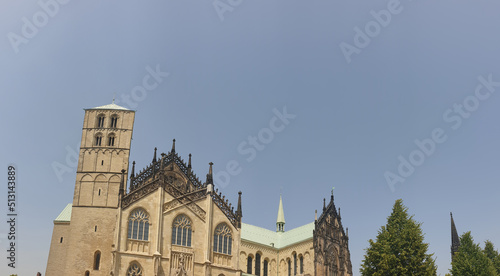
{"x": 471, "y": 260}
{"x": 399, "y": 248}
{"x": 492, "y": 254}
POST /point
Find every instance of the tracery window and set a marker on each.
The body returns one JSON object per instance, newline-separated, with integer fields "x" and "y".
{"x": 134, "y": 270}
{"x": 181, "y": 231}
{"x": 138, "y": 225}
{"x": 222, "y": 239}
{"x": 100, "y": 121}
{"x": 114, "y": 120}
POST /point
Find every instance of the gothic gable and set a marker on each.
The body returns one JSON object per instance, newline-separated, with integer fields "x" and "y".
{"x": 331, "y": 244}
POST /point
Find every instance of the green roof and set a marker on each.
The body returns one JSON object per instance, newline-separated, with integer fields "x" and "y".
{"x": 267, "y": 237}
{"x": 65, "y": 215}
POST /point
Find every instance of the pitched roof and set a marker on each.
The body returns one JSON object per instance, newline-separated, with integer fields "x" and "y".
{"x": 267, "y": 237}
{"x": 65, "y": 215}
{"x": 111, "y": 106}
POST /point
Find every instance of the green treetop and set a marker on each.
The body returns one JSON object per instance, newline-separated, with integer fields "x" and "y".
{"x": 470, "y": 260}
{"x": 399, "y": 248}
{"x": 492, "y": 254}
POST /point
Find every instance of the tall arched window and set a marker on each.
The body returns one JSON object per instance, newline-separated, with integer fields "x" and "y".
{"x": 138, "y": 225}
{"x": 97, "y": 260}
{"x": 266, "y": 267}
{"x": 134, "y": 270}
{"x": 100, "y": 121}
{"x": 257, "y": 264}
{"x": 111, "y": 140}
{"x": 87, "y": 273}
{"x": 289, "y": 267}
{"x": 181, "y": 231}
{"x": 249, "y": 265}
{"x": 222, "y": 239}
{"x": 295, "y": 264}
{"x": 301, "y": 262}
{"x": 114, "y": 121}
{"x": 98, "y": 139}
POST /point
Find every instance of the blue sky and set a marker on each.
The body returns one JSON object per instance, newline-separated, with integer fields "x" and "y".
{"x": 223, "y": 76}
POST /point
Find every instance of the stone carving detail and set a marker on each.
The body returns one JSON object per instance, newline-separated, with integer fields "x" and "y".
{"x": 139, "y": 193}
{"x": 182, "y": 264}
{"x": 181, "y": 271}
{"x": 189, "y": 202}
{"x": 225, "y": 208}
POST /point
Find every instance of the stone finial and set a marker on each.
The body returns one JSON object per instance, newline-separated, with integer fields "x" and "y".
{"x": 154, "y": 156}
{"x": 132, "y": 174}
{"x": 239, "y": 212}
{"x": 210, "y": 179}
{"x": 173, "y": 146}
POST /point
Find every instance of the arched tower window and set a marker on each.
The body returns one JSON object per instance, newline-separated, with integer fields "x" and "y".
{"x": 266, "y": 267}
{"x": 98, "y": 139}
{"x": 257, "y": 264}
{"x": 87, "y": 273}
{"x": 134, "y": 270}
{"x": 181, "y": 231}
{"x": 111, "y": 140}
{"x": 97, "y": 260}
{"x": 249, "y": 265}
{"x": 114, "y": 121}
{"x": 222, "y": 239}
{"x": 100, "y": 121}
{"x": 138, "y": 225}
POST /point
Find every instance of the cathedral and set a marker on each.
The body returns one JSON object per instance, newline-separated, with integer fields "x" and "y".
{"x": 164, "y": 221}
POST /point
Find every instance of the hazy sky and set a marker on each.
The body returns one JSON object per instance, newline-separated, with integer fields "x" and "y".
{"x": 361, "y": 81}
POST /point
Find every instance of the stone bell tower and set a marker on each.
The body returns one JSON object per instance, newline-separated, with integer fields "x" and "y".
{"x": 104, "y": 152}
{"x": 86, "y": 237}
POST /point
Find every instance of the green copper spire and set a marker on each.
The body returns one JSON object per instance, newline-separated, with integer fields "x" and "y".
{"x": 280, "y": 222}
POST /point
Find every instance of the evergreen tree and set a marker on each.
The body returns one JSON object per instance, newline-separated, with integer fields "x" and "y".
{"x": 399, "y": 248}
{"x": 470, "y": 260}
{"x": 492, "y": 254}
